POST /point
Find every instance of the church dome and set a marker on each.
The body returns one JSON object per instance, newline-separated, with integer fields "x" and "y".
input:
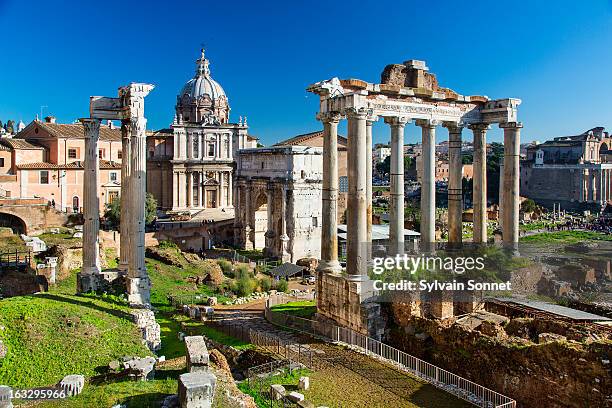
{"x": 202, "y": 99}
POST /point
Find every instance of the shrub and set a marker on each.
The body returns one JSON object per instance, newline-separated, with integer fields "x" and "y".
{"x": 243, "y": 270}
{"x": 265, "y": 284}
{"x": 168, "y": 245}
{"x": 244, "y": 285}
{"x": 282, "y": 285}
{"x": 226, "y": 267}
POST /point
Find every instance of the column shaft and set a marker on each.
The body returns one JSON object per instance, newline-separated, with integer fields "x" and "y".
{"x": 428, "y": 184}
{"x": 512, "y": 140}
{"x": 396, "y": 179}
{"x": 455, "y": 192}
{"x": 369, "y": 146}
{"x": 329, "y": 194}
{"x": 139, "y": 284}
{"x": 124, "y": 225}
{"x": 356, "y": 260}
{"x": 91, "y": 204}
{"x": 479, "y": 181}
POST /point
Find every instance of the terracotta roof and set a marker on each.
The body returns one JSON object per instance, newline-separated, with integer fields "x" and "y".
{"x": 4, "y": 148}
{"x": 21, "y": 144}
{"x": 160, "y": 132}
{"x": 104, "y": 164}
{"x": 252, "y": 137}
{"x": 75, "y": 131}
{"x": 296, "y": 140}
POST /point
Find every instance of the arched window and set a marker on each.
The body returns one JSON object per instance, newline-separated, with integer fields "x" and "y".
{"x": 75, "y": 204}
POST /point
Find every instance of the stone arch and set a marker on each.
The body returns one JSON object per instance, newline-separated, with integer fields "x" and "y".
{"x": 13, "y": 221}
{"x": 603, "y": 148}
{"x": 260, "y": 214}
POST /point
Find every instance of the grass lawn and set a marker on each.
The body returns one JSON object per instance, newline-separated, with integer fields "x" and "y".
{"x": 286, "y": 379}
{"x": 51, "y": 335}
{"x": 566, "y": 237}
{"x": 304, "y": 308}
{"x": 12, "y": 242}
{"x": 62, "y": 238}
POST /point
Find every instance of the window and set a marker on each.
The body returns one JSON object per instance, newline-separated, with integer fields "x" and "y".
{"x": 211, "y": 150}
{"x": 101, "y": 153}
{"x": 73, "y": 154}
{"x": 1, "y": 161}
{"x": 119, "y": 154}
{"x": 315, "y": 222}
{"x": 343, "y": 184}
{"x": 196, "y": 146}
{"x": 113, "y": 176}
{"x": 44, "y": 177}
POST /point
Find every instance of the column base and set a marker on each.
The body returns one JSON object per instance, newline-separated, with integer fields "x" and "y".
{"x": 139, "y": 292}
{"x": 331, "y": 266}
{"x": 349, "y": 304}
{"x": 91, "y": 270}
{"x": 87, "y": 282}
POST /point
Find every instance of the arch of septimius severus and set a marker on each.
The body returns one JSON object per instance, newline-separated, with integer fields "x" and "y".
{"x": 407, "y": 93}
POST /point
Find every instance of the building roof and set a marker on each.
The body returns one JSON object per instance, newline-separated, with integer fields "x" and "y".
{"x": 286, "y": 270}
{"x": 76, "y": 165}
{"x": 555, "y": 309}
{"x": 299, "y": 139}
{"x": 4, "y": 148}
{"x": 75, "y": 131}
{"x": 19, "y": 144}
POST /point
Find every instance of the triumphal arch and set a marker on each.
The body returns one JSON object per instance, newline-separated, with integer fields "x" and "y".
{"x": 407, "y": 93}
{"x": 278, "y": 201}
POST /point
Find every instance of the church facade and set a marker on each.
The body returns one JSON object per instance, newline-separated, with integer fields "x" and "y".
{"x": 190, "y": 165}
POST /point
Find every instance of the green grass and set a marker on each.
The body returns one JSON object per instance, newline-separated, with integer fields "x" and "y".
{"x": 304, "y": 308}
{"x": 566, "y": 237}
{"x": 11, "y": 243}
{"x": 61, "y": 239}
{"x": 51, "y": 335}
{"x": 172, "y": 280}
{"x": 287, "y": 379}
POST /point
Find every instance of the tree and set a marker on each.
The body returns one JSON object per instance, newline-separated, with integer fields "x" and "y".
{"x": 467, "y": 158}
{"x": 528, "y": 206}
{"x": 113, "y": 211}
{"x": 10, "y": 126}
{"x": 384, "y": 167}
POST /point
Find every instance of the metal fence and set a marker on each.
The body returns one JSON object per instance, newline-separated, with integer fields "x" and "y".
{"x": 452, "y": 383}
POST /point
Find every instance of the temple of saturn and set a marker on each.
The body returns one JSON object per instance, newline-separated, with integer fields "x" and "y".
{"x": 129, "y": 109}
{"x": 407, "y": 93}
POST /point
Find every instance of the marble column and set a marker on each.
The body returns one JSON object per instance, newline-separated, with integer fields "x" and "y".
{"x": 512, "y": 142}
{"x": 126, "y": 165}
{"x": 357, "y": 234}
{"x": 479, "y": 181}
{"x": 91, "y": 206}
{"x": 249, "y": 242}
{"x": 329, "y": 216}
{"x": 455, "y": 192}
{"x": 428, "y": 184}
{"x": 182, "y": 189}
{"x": 500, "y": 215}
{"x": 593, "y": 185}
{"x": 396, "y": 179}
{"x": 369, "y": 123}
{"x": 230, "y": 191}
{"x": 190, "y": 189}
{"x": 139, "y": 285}
{"x": 270, "y": 220}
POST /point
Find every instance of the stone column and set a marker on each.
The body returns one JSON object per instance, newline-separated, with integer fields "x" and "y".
{"x": 479, "y": 181}
{"x": 124, "y": 226}
{"x": 455, "y": 192}
{"x": 500, "y": 216}
{"x": 91, "y": 207}
{"x": 285, "y": 255}
{"x": 599, "y": 186}
{"x": 357, "y": 234}
{"x": 396, "y": 178}
{"x": 190, "y": 189}
{"x": 512, "y": 141}
{"x": 249, "y": 243}
{"x": 593, "y": 185}
{"x": 329, "y": 215}
{"x": 270, "y": 219}
{"x": 221, "y": 202}
{"x": 138, "y": 282}
{"x": 428, "y": 184}
{"x": 369, "y": 122}
{"x": 230, "y": 191}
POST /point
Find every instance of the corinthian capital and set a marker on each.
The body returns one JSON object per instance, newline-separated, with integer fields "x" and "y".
{"x": 358, "y": 113}
{"x": 511, "y": 125}
{"x": 479, "y": 127}
{"x": 138, "y": 126}
{"x": 397, "y": 120}
{"x": 453, "y": 127}
{"x": 329, "y": 117}
{"x": 91, "y": 127}
{"x": 429, "y": 123}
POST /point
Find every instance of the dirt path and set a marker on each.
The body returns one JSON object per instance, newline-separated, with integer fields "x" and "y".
{"x": 345, "y": 378}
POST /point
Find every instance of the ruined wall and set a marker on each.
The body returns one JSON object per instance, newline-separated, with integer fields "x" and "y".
{"x": 549, "y": 374}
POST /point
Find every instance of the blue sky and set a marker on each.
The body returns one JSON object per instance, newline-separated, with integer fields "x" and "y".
{"x": 555, "y": 56}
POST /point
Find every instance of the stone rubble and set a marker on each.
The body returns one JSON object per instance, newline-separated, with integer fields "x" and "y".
{"x": 197, "y": 354}
{"x": 304, "y": 383}
{"x": 5, "y": 396}
{"x": 151, "y": 333}
{"x": 277, "y": 391}
{"x": 196, "y": 390}
{"x": 142, "y": 369}
{"x": 72, "y": 384}
{"x": 294, "y": 396}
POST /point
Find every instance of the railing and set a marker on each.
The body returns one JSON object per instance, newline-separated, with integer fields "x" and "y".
{"x": 445, "y": 380}
{"x": 260, "y": 378}
{"x": 15, "y": 259}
